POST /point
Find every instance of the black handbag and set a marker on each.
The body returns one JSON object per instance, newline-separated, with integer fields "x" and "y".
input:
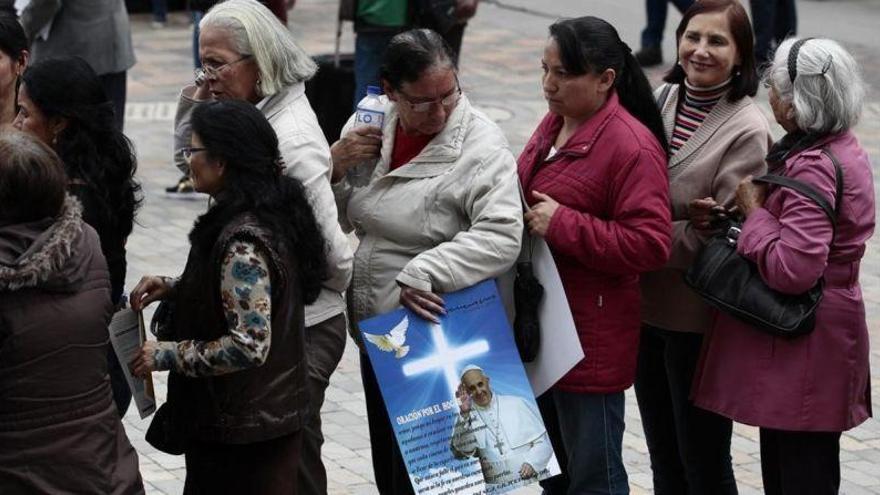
{"x": 168, "y": 429}
{"x": 732, "y": 283}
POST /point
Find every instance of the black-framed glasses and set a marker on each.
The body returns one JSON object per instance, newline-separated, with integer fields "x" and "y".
{"x": 425, "y": 106}
{"x": 188, "y": 153}
{"x": 213, "y": 72}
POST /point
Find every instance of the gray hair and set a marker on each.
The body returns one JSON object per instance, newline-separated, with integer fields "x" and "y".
{"x": 255, "y": 31}
{"x": 828, "y": 92}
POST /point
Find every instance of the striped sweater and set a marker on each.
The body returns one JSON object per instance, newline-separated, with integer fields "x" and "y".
{"x": 697, "y": 104}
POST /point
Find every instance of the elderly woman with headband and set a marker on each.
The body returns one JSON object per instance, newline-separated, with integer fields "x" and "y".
{"x": 247, "y": 54}
{"x": 804, "y": 391}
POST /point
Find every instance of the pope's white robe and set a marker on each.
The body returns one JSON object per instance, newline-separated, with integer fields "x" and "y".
{"x": 523, "y": 438}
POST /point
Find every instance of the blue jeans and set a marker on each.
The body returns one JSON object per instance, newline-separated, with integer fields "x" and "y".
{"x": 656, "y": 10}
{"x": 368, "y": 51}
{"x": 197, "y": 18}
{"x": 592, "y": 431}
{"x": 160, "y": 10}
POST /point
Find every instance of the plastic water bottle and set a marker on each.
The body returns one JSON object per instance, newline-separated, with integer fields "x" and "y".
{"x": 370, "y": 113}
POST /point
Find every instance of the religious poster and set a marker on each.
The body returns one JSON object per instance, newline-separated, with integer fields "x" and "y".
{"x": 458, "y": 397}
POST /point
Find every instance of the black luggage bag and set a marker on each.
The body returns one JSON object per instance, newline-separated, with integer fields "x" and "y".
{"x": 331, "y": 93}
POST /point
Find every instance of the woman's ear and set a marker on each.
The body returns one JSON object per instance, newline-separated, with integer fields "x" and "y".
{"x": 22, "y": 62}
{"x": 606, "y": 80}
{"x": 388, "y": 90}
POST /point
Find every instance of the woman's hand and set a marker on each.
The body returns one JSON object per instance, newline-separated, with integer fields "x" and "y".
{"x": 358, "y": 145}
{"x": 145, "y": 362}
{"x": 700, "y": 213}
{"x": 538, "y": 217}
{"x": 423, "y": 303}
{"x": 750, "y": 196}
{"x": 150, "y": 288}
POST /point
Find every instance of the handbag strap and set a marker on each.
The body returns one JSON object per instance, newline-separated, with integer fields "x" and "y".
{"x": 811, "y": 192}
{"x": 527, "y": 237}
{"x": 663, "y": 96}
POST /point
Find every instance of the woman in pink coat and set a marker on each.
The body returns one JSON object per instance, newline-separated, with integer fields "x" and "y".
{"x": 802, "y": 392}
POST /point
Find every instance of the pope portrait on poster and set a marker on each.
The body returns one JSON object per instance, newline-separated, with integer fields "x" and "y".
{"x": 456, "y": 392}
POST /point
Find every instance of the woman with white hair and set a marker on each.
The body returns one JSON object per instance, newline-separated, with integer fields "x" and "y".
{"x": 247, "y": 54}
{"x": 804, "y": 391}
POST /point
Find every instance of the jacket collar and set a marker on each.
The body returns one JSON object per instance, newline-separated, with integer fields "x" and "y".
{"x": 33, "y": 253}
{"x": 578, "y": 145}
{"x": 440, "y": 155}
{"x": 271, "y": 105}
{"x": 588, "y": 133}
{"x": 720, "y": 114}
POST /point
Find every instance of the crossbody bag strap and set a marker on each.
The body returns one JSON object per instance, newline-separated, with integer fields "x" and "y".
{"x": 527, "y": 237}
{"x": 838, "y": 172}
{"x": 810, "y": 192}
{"x": 802, "y": 188}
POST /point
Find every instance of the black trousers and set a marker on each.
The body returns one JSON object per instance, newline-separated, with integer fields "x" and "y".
{"x": 388, "y": 465}
{"x": 267, "y": 468}
{"x": 689, "y": 447}
{"x": 800, "y": 462}
{"x": 115, "y": 87}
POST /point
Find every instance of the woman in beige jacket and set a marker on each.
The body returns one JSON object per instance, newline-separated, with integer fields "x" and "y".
{"x": 441, "y": 211}
{"x": 717, "y": 137}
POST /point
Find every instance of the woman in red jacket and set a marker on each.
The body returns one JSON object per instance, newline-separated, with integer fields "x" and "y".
{"x": 594, "y": 174}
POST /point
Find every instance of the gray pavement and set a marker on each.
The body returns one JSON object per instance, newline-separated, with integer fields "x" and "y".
{"x": 501, "y": 72}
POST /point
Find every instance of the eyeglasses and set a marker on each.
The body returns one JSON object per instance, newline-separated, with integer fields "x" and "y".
{"x": 425, "y": 106}
{"x": 188, "y": 153}
{"x": 213, "y": 72}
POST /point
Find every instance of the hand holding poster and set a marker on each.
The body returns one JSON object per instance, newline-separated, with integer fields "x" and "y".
{"x": 460, "y": 404}
{"x": 127, "y": 336}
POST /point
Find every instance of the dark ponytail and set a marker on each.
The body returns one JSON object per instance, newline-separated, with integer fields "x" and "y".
{"x": 592, "y": 45}
{"x": 636, "y": 95}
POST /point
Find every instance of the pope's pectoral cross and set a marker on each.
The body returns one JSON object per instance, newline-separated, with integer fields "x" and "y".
{"x": 498, "y": 446}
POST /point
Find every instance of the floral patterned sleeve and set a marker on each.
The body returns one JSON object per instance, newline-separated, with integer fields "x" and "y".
{"x": 246, "y": 293}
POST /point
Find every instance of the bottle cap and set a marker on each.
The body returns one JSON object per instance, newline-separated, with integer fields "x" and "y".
{"x": 374, "y": 90}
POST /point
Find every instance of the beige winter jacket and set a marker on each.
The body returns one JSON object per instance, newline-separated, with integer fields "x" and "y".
{"x": 307, "y": 158}
{"x": 729, "y": 145}
{"x": 445, "y": 221}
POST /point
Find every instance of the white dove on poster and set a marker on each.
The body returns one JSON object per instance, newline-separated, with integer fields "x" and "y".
{"x": 392, "y": 341}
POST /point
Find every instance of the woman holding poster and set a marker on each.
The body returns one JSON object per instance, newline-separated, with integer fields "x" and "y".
{"x": 594, "y": 175}
{"x": 440, "y": 211}
{"x": 234, "y": 341}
